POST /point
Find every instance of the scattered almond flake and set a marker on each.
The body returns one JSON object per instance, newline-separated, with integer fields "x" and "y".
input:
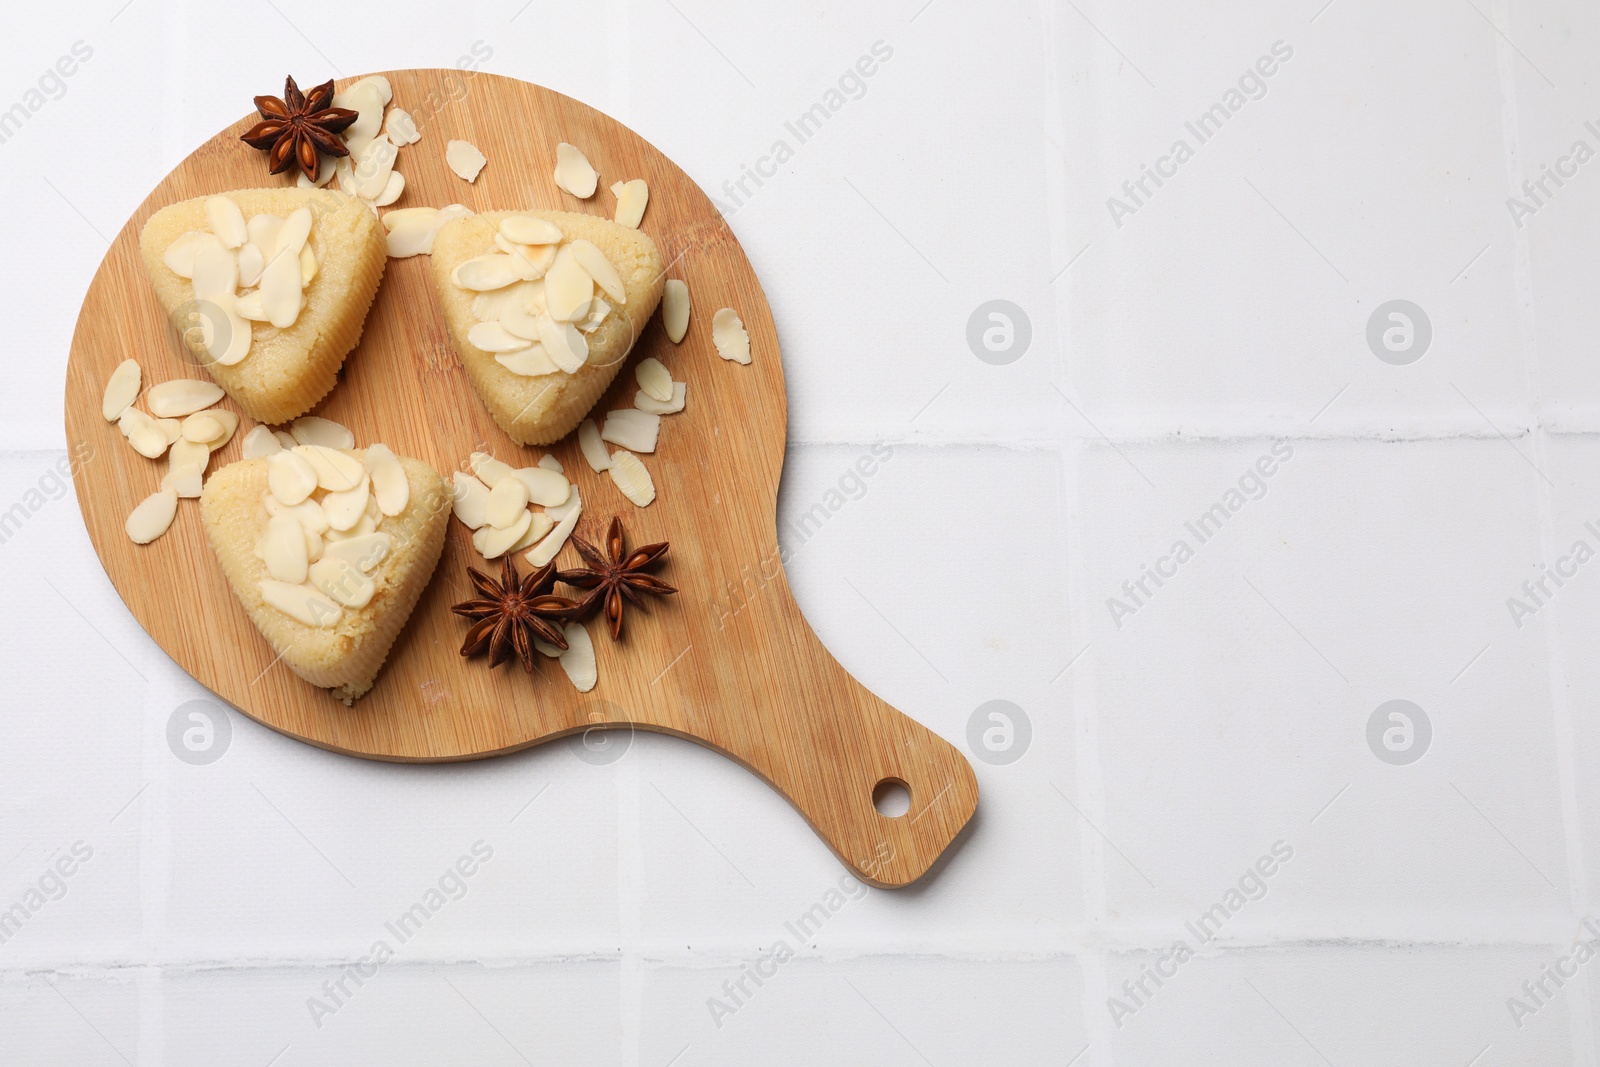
{"x": 654, "y": 378}
{"x": 578, "y": 660}
{"x": 568, "y": 288}
{"x": 301, "y": 603}
{"x": 545, "y": 487}
{"x": 563, "y": 344}
{"x": 530, "y": 230}
{"x": 465, "y": 159}
{"x": 249, "y": 307}
{"x": 280, "y": 290}
{"x": 728, "y": 333}
{"x": 132, "y": 419}
{"x": 226, "y": 221}
{"x": 492, "y": 542}
{"x": 290, "y": 477}
{"x": 551, "y": 463}
{"x": 229, "y": 421}
{"x": 645, "y": 402}
{"x": 201, "y": 427}
{"x": 251, "y": 264}
{"x": 325, "y": 172}
{"x": 260, "y": 441}
{"x": 189, "y": 454}
{"x": 631, "y": 428}
{"x": 346, "y": 507}
{"x": 631, "y": 197}
{"x": 574, "y": 173}
{"x": 493, "y": 337}
{"x": 550, "y": 547}
{"x": 294, "y": 234}
{"x": 413, "y": 234}
{"x": 560, "y": 511}
{"x": 180, "y": 254}
{"x": 470, "y": 501}
{"x": 371, "y": 169}
{"x": 401, "y": 127}
{"x": 216, "y": 272}
{"x": 367, "y": 98}
{"x": 541, "y": 525}
{"x": 390, "y": 485}
{"x": 336, "y": 471}
{"x": 342, "y": 582}
{"x": 151, "y": 518}
{"x": 187, "y": 481}
{"x": 284, "y": 438}
{"x": 490, "y": 471}
{"x": 148, "y": 440}
{"x": 531, "y": 362}
{"x": 171, "y": 429}
{"x": 593, "y": 449}
{"x": 546, "y": 648}
{"x": 631, "y": 477}
{"x": 598, "y": 267}
{"x": 284, "y": 550}
{"x": 366, "y": 551}
{"x": 493, "y": 270}
{"x": 316, "y": 430}
{"x": 122, "y": 389}
{"x": 507, "y": 501}
{"x": 392, "y": 188}
{"x": 308, "y": 265}
{"x": 675, "y": 309}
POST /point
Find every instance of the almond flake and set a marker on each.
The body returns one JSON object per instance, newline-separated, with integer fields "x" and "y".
{"x": 249, "y": 307}
{"x": 346, "y": 507}
{"x": 631, "y": 200}
{"x": 148, "y": 441}
{"x": 292, "y": 237}
{"x": 131, "y": 419}
{"x": 563, "y": 343}
{"x": 342, "y": 581}
{"x": 492, "y": 306}
{"x": 290, "y": 477}
{"x": 122, "y": 389}
{"x": 307, "y": 513}
{"x": 283, "y": 549}
{"x": 390, "y": 485}
{"x": 366, "y": 551}
{"x": 308, "y": 265}
{"x": 675, "y": 309}
{"x": 552, "y": 543}
{"x": 645, "y": 402}
{"x": 568, "y": 287}
{"x": 189, "y": 454}
{"x": 593, "y": 449}
{"x": 545, "y": 487}
{"x": 507, "y": 501}
{"x": 151, "y": 518}
{"x": 493, "y": 337}
{"x": 392, "y": 188}
{"x": 531, "y": 262}
{"x": 325, "y": 172}
{"x": 401, "y": 127}
{"x": 371, "y": 169}
{"x": 187, "y": 482}
{"x": 574, "y": 173}
{"x": 632, "y": 478}
{"x": 251, "y": 264}
{"x": 181, "y": 396}
{"x": 280, "y": 290}
{"x": 633, "y": 429}
{"x": 560, "y": 511}
{"x": 226, "y": 221}
{"x": 315, "y": 430}
{"x": 180, "y": 254}
{"x": 367, "y": 525}
{"x": 465, "y": 159}
{"x": 541, "y": 525}
{"x": 470, "y": 501}
{"x": 171, "y": 429}
{"x": 493, "y": 270}
{"x": 531, "y": 362}
{"x": 728, "y": 333}
{"x": 301, "y": 603}
{"x": 489, "y": 470}
{"x": 226, "y": 346}
{"x": 493, "y": 542}
{"x": 530, "y": 230}
{"x": 201, "y": 427}
{"x": 598, "y": 310}
{"x": 264, "y": 230}
{"x": 336, "y": 471}
{"x": 598, "y": 267}
{"x": 367, "y": 98}
{"x": 518, "y": 321}
{"x": 551, "y": 463}
{"x": 260, "y": 441}
{"x": 216, "y": 272}
{"x": 413, "y": 229}
{"x": 547, "y": 649}
{"x": 284, "y": 438}
{"x": 227, "y": 422}
{"x": 654, "y": 379}
{"x": 578, "y": 660}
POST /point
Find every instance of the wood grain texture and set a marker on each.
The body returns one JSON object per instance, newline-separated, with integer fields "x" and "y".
{"x": 730, "y": 662}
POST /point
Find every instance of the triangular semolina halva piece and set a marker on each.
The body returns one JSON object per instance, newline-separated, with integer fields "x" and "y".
{"x": 371, "y": 527}
{"x": 222, "y": 270}
{"x": 543, "y": 308}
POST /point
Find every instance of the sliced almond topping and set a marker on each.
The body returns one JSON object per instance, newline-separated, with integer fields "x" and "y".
{"x": 342, "y": 581}
{"x": 522, "y": 323}
{"x": 531, "y": 262}
{"x": 290, "y": 477}
{"x": 551, "y": 463}
{"x": 368, "y": 524}
{"x": 411, "y": 231}
{"x": 283, "y": 549}
{"x": 292, "y": 237}
{"x": 187, "y": 482}
{"x": 346, "y": 507}
{"x": 728, "y": 333}
{"x": 494, "y": 305}
{"x": 308, "y": 266}
{"x": 227, "y": 341}
{"x": 545, "y": 487}
{"x": 301, "y": 603}
{"x": 483, "y": 273}
{"x": 465, "y": 159}
{"x": 654, "y": 379}
{"x": 493, "y": 542}
{"x": 573, "y": 172}
{"x": 390, "y": 485}
{"x": 260, "y": 441}
{"x": 280, "y": 290}
{"x": 249, "y": 307}
{"x": 308, "y": 513}
{"x": 552, "y": 543}
{"x": 189, "y": 454}
{"x": 631, "y": 200}
{"x": 507, "y": 501}
{"x": 489, "y": 470}
{"x": 336, "y": 471}
{"x": 633, "y": 429}
{"x": 644, "y": 402}
{"x": 264, "y": 230}
{"x": 366, "y": 551}
{"x": 598, "y": 310}
{"x": 675, "y": 309}
{"x": 180, "y": 254}
{"x": 541, "y": 525}
{"x": 568, "y": 288}
{"x": 493, "y": 337}
{"x": 216, "y": 272}
{"x": 315, "y": 430}
{"x": 632, "y": 478}
{"x": 597, "y": 266}
{"x": 401, "y": 127}
{"x": 593, "y": 449}
{"x": 563, "y": 343}
{"x": 151, "y": 518}
{"x": 122, "y": 389}
{"x": 181, "y": 396}
{"x": 578, "y": 660}
{"x": 530, "y": 230}
{"x": 471, "y": 501}
{"x": 251, "y": 264}
{"x": 531, "y": 362}
{"x": 226, "y": 221}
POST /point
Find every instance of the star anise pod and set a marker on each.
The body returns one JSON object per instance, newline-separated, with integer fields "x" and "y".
{"x": 510, "y": 613}
{"x": 297, "y": 127}
{"x": 615, "y": 577}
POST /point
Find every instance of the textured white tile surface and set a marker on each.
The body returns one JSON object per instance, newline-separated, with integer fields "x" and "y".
{"x": 1209, "y": 761}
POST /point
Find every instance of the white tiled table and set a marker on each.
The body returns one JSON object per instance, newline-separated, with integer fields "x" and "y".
{"x": 1171, "y": 348}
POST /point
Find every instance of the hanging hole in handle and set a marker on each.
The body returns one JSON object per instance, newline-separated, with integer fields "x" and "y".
{"x": 892, "y": 798}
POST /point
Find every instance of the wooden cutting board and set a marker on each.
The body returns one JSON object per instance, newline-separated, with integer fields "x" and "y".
{"x": 729, "y": 662}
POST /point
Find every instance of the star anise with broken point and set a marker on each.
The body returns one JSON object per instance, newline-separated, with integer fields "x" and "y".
{"x": 510, "y": 613}
{"x": 616, "y": 576}
{"x": 295, "y": 129}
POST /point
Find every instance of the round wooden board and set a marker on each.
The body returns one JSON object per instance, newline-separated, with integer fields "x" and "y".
{"x": 729, "y": 662}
